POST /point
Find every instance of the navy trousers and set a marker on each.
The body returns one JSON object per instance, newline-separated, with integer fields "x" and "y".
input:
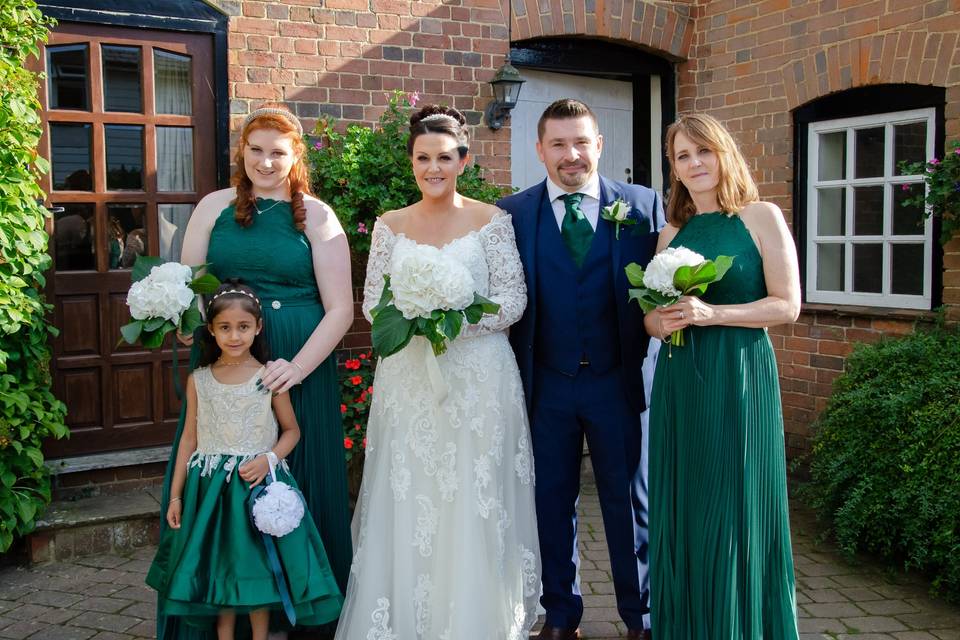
{"x": 565, "y": 409}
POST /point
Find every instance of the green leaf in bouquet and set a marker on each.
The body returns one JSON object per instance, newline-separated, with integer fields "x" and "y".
{"x": 207, "y": 283}
{"x": 152, "y": 324}
{"x": 386, "y": 297}
{"x": 452, "y": 323}
{"x": 473, "y": 313}
{"x": 694, "y": 280}
{"x": 486, "y": 304}
{"x": 390, "y": 331}
{"x": 191, "y": 319}
{"x": 143, "y": 265}
{"x": 131, "y": 331}
{"x": 634, "y": 274}
{"x": 642, "y": 296}
{"x": 154, "y": 339}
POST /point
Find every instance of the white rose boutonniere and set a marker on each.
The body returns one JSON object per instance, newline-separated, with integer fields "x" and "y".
{"x": 618, "y": 212}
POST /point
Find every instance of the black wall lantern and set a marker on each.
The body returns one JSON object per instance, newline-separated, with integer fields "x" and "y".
{"x": 506, "y": 91}
{"x": 506, "y": 84}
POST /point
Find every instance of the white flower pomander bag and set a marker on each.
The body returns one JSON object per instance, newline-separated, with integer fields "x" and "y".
{"x": 278, "y": 509}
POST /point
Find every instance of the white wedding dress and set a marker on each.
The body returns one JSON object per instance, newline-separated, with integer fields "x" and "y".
{"x": 445, "y": 533}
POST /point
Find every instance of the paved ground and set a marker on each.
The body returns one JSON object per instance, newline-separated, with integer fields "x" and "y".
{"x": 104, "y": 598}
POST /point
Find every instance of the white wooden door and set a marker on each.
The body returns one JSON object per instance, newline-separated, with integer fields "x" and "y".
{"x": 611, "y": 100}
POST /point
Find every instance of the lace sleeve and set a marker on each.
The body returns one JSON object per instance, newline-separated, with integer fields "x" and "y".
{"x": 381, "y": 249}
{"x": 507, "y": 285}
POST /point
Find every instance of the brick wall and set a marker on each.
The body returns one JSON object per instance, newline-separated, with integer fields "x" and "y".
{"x": 747, "y": 63}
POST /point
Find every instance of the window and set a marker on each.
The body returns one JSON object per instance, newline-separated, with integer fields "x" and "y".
{"x": 863, "y": 245}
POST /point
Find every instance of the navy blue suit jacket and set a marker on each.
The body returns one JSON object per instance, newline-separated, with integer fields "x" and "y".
{"x": 637, "y": 243}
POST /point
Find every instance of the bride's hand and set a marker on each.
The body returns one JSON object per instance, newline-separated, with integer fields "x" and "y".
{"x": 280, "y": 375}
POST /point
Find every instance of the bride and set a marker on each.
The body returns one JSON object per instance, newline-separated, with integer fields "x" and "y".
{"x": 444, "y": 531}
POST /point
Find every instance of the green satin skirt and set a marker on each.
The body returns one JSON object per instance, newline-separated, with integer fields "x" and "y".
{"x": 217, "y": 561}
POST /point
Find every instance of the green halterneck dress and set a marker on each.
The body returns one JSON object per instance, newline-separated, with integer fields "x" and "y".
{"x": 720, "y": 557}
{"x": 274, "y": 258}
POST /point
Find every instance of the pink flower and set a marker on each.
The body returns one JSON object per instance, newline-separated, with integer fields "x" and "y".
{"x": 957, "y": 151}
{"x": 934, "y": 161}
{"x": 905, "y": 187}
{"x": 361, "y": 227}
{"x": 413, "y": 98}
{"x": 318, "y": 145}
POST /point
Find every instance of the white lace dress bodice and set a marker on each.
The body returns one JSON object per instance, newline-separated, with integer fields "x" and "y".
{"x": 233, "y": 420}
{"x": 445, "y": 533}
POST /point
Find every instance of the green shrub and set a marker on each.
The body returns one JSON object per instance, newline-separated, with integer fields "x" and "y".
{"x": 366, "y": 171}
{"x": 28, "y": 411}
{"x": 886, "y": 456}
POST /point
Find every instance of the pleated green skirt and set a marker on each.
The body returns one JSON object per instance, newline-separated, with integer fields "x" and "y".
{"x": 720, "y": 559}
{"x": 217, "y": 560}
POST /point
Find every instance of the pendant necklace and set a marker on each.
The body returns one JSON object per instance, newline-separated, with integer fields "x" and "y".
{"x": 259, "y": 212}
{"x": 233, "y": 364}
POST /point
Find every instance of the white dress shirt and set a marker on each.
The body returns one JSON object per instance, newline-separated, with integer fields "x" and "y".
{"x": 590, "y": 205}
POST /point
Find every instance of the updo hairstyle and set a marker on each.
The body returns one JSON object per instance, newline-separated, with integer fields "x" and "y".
{"x": 434, "y": 118}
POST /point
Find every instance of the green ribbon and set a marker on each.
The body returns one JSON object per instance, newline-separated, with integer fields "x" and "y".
{"x": 273, "y": 557}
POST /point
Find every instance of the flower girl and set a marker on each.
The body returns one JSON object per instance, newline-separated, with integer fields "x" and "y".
{"x": 213, "y": 562}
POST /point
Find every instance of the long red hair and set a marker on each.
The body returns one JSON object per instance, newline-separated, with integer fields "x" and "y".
{"x": 298, "y": 179}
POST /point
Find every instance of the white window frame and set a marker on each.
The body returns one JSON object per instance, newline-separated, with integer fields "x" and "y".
{"x": 889, "y": 181}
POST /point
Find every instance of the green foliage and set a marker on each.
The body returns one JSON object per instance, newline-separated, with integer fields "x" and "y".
{"x": 886, "y": 455}
{"x": 366, "y": 171}
{"x": 356, "y": 391}
{"x": 28, "y": 410}
{"x": 942, "y": 193}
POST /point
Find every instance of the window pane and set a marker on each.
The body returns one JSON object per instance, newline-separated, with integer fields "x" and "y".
{"x": 868, "y": 268}
{"x": 868, "y": 211}
{"x": 832, "y": 161}
{"x": 171, "y": 79}
{"x": 124, "y": 156}
{"x": 67, "y": 81}
{"x": 869, "y": 152}
{"x": 907, "y": 220}
{"x": 906, "y": 270}
{"x": 73, "y": 234}
{"x": 172, "y": 220}
{"x": 126, "y": 234}
{"x": 831, "y": 212}
{"x": 174, "y": 159}
{"x": 909, "y": 144}
{"x": 121, "y": 79}
{"x": 70, "y": 155}
{"x": 830, "y": 267}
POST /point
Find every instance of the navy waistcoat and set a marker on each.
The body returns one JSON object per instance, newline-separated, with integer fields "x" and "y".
{"x": 577, "y": 311}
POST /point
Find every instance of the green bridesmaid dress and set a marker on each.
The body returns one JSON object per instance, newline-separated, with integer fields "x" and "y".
{"x": 275, "y": 259}
{"x": 720, "y": 558}
{"x": 217, "y": 560}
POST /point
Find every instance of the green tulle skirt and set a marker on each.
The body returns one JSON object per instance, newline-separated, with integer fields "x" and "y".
{"x": 217, "y": 560}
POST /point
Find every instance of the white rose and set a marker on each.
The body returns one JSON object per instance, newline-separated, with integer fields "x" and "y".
{"x": 659, "y": 273}
{"x": 423, "y": 279}
{"x": 619, "y": 210}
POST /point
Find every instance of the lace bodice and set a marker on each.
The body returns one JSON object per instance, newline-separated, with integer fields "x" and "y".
{"x": 233, "y": 419}
{"x": 489, "y": 253}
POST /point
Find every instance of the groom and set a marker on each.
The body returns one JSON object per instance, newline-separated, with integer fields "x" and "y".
{"x": 580, "y": 348}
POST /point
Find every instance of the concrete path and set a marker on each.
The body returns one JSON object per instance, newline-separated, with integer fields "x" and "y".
{"x": 103, "y": 597}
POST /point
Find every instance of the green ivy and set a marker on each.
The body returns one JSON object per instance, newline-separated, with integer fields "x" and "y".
{"x": 941, "y": 196}
{"x": 365, "y": 171}
{"x": 885, "y": 463}
{"x": 28, "y": 410}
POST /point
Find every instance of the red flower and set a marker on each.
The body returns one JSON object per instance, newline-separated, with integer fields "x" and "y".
{"x": 355, "y": 380}
{"x": 352, "y": 364}
{"x": 363, "y": 444}
{"x": 343, "y": 408}
{"x": 363, "y": 356}
{"x": 356, "y": 427}
{"x": 347, "y": 443}
{"x": 370, "y": 390}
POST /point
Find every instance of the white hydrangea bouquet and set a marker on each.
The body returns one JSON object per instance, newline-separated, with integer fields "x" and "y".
{"x": 673, "y": 273}
{"x": 426, "y": 293}
{"x": 163, "y": 298}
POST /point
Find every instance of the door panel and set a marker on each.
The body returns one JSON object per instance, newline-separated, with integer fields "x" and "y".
{"x": 103, "y": 112}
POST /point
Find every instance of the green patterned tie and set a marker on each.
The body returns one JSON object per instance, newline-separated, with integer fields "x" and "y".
{"x": 575, "y": 228}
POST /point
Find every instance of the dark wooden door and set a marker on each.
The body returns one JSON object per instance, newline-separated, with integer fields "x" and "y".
{"x": 129, "y": 130}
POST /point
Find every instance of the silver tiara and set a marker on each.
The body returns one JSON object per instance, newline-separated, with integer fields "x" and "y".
{"x": 272, "y": 111}
{"x": 433, "y": 117}
{"x": 236, "y": 291}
